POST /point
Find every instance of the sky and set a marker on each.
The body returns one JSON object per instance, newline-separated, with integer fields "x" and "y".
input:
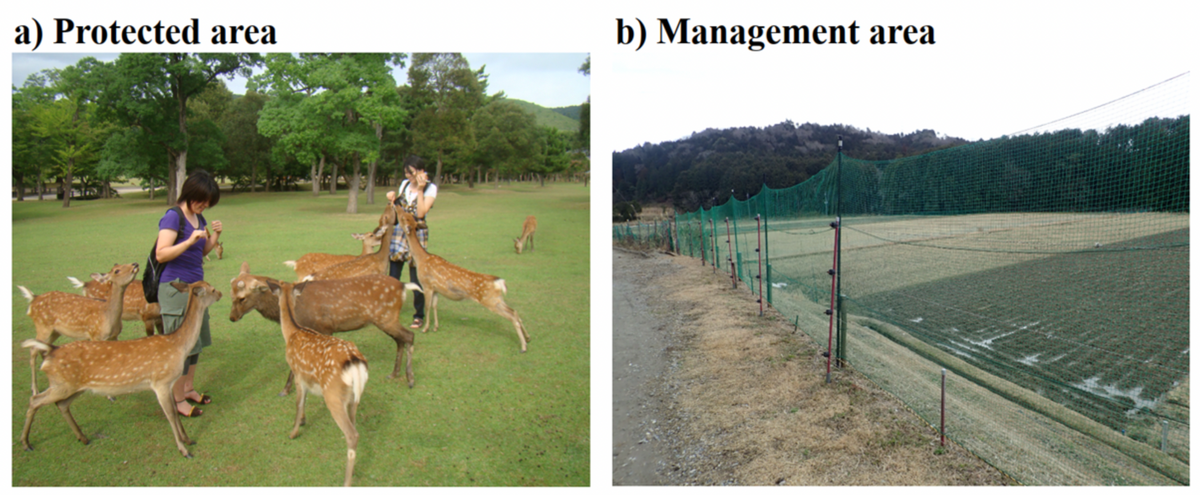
{"x": 548, "y": 79}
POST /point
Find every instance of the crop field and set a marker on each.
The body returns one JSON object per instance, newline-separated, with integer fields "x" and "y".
{"x": 481, "y": 414}
{"x": 1089, "y": 310}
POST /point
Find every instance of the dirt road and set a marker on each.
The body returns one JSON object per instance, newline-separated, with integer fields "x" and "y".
{"x": 706, "y": 392}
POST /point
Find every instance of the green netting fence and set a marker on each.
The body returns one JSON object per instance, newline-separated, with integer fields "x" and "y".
{"x": 1046, "y": 270}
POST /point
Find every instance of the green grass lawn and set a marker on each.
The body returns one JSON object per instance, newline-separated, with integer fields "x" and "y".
{"x": 481, "y": 413}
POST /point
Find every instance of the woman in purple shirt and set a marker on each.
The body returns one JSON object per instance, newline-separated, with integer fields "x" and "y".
{"x": 183, "y": 252}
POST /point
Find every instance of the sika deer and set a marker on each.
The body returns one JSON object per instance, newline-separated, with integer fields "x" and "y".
{"x": 78, "y": 317}
{"x": 368, "y": 264}
{"x": 331, "y": 306}
{"x": 122, "y": 367}
{"x": 220, "y": 250}
{"x": 134, "y": 307}
{"x": 327, "y": 366}
{"x": 526, "y": 234}
{"x": 440, "y": 277}
{"x": 311, "y": 262}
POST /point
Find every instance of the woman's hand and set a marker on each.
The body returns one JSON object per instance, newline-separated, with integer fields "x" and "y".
{"x": 216, "y": 226}
{"x": 197, "y": 235}
{"x": 391, "y": 196}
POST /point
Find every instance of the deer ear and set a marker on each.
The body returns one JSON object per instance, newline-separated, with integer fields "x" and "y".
{"x": 245, "y": 267}
{"x": 179, "y": 286}
{"x": 98, "y": 276}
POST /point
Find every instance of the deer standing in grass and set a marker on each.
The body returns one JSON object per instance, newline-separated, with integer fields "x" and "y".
{"x": 375, "y": 263}
{"x": 331, "y": 306}
{"x": 134, "y": 308}
{"x": 526, "y": 234}
{"x": 440, "y": 277}
{"x": 220, "y": 250}
{"x": 122, "y": 367}
{"x": 311, "y": 262}
{"x": 78, "y": 317}
{"x": 327, "y": 366}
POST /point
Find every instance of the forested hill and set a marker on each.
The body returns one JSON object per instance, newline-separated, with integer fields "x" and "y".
{"x": 565, "y": 119}
{"x": 691, "y": 171}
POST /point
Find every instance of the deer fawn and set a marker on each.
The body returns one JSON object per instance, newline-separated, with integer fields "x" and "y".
{"x": 311, "y": 262}
{"x": 220, "y": 250}
{"x": 122, "y": 367}
{"x": 327, "y": 366}
{"x": 440, "y": 277}
{"x": 331, "y": 306}
{"x": 526, "y": 234}
{"x": 78, "y": 317}
{"x": 368, "y": 264}
{"x": 134, "y": 307}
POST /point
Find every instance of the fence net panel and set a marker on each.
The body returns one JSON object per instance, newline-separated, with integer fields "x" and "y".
{"x": 1048, "y": 269}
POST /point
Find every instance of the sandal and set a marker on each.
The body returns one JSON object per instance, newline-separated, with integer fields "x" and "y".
{"x": 192, "y": 411}
{"x": 204, "y": 399}
{"x": 416, "y": 323}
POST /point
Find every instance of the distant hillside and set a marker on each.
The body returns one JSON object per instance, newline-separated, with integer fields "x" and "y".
{"x": 712, "y": 162}
{"x": 552, "y": 117}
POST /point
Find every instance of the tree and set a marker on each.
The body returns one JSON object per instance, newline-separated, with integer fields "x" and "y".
{"x": 332, "y": 105}
{"x": 152, "y": 91}
{"x": 585, "y": 110}
{"x": 444, "y": 94}
{"x": 508, "y": 139}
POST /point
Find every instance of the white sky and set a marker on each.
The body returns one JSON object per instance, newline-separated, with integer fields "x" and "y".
{"x": 997, "y": 67}
{"x": 548, "y": 79}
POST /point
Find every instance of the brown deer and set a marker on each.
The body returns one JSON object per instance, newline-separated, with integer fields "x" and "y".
{"x": 78, "y": 317}
{"x": 526, "y": 234}
{"x": 122, "y": 367}
{"x": 135, "y": 307}
{"x": 440, "y": 277}
{"x": 368, "y": 264}
{"x": 327, "y": 366}
{"x": 220, "y": 250}
{"x": 311, "y": 262}
{"x": 331, "y": 306}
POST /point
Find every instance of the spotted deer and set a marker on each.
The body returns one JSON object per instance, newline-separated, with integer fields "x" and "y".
{"x": 78, "y": 317}
{"x": 440, "y": 277}
{"x": 220, "y": 250}
{"x": 122, "y": 367}
{"x": 331, "y": 306}
{"x": 311, "y": 262}
{"x": 526, "y": 234}
{"x": 134, "y": 308}
{"x": 368, "y": 264}
{"x": 327, "y": 366}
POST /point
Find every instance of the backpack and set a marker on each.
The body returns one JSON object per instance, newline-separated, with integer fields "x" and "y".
{"x": 153, "y": 274}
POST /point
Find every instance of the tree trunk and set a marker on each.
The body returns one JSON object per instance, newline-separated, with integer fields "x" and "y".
{"x": 317, "y": 176}
{"x": 437, "y": 176}
{"x": 352, "y": 203}
{"x": 41, "y": 186}
{"x": 333, "y": 177}
{"x": 152, "y": 189}
{"x": 180, "y": 174}
{"x": 67, "y": 187}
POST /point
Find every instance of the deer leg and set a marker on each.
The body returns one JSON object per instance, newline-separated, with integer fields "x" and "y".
{"x": 149, "y": 323}
{"x": 404, "y": 347}
{"x": 166, "y": 400}
{"x": 33, "y": 368}
{"x": 51, "y": 395}
{"x": 287, "y": 387}
{"x": 301, "y": 393}
{"x": 64, "y": 407}
{"x": 340, "y": 407}
{"x": 432, "y": 311}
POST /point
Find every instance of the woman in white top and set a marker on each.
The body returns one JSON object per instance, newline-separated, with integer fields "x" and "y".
{"x": 415, "y": 195}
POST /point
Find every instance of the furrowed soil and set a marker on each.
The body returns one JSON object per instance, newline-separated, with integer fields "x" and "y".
{"x": 707, "y": 392}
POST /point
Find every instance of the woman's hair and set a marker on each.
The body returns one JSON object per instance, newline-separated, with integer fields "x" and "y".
{"x": 200, "y": 187}
{"x": 415, "y": 162}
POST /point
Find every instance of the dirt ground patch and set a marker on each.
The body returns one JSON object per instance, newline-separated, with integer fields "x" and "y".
{"x": 707, "y": 392}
